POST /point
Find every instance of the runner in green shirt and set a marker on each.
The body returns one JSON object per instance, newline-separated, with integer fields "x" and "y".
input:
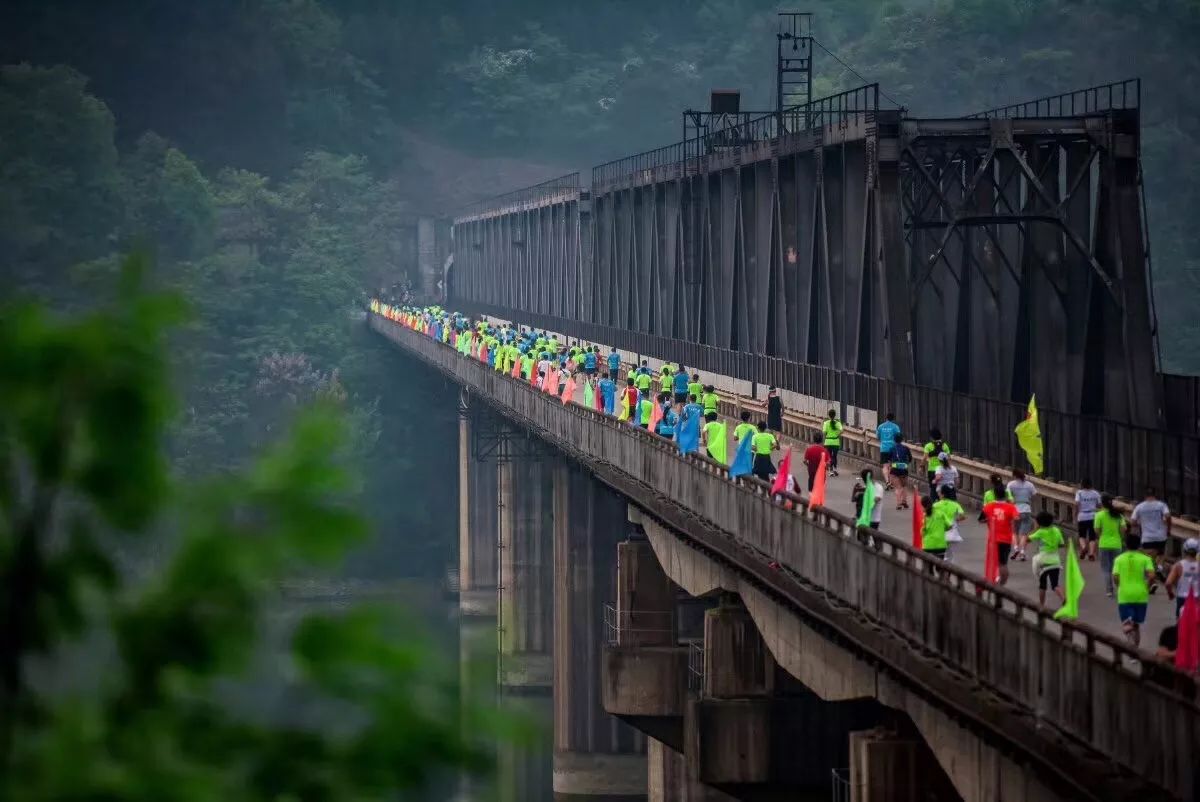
{"x": 645, "y": 411}
{"x": 716, "y": 439}
{"x": 710, "y": 400}
{"x": 951, "y": 512}
{"x": 1048, "y": 563}
{"x": 935, "y": 446}
{"x": 643, "y": 381}
{"x": 695, "y": 387}
{"x": 744, "y": 429}
{"x": 1132, "y": 572}
{"x": 763, "y": 444}
{"x": 1111, "y": 527}
{"x": 933, "y": 531}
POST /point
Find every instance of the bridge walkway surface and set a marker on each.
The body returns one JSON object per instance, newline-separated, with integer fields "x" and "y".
{"x": 1095, "y": 608}
{"x": 1007, "y": 666}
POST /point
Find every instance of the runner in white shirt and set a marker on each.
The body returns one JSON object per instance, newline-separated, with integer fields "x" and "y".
{"x": 1153, "y": 520}
{"x": 946, "y": 476}
{"x": 1184, "y": 579}
{"x": 1022, "y": 492}
{"x": 877, "y": 509}
{"x": 1087, "y": 504}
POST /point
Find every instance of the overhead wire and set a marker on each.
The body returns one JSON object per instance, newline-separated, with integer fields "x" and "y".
{"x": 857, "y": 74}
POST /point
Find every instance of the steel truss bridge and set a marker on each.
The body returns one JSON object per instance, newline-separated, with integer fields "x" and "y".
{"x": 945, "y": 269}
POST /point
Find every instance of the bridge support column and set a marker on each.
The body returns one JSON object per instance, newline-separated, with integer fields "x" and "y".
{"x": 524, "y": 771}
{"x": 755, "y": 732}
{"x": 477, "y": 524}
{"x": 884, "y": 767}
{"x": 669, "y": 780}
{"x": 728, "y": 728}
{"x": 526, "y": 577}
{"x": 644, "y": 677}
{"x": 477, "y": 684}
{"x": 596, "y": 756}
{"x": 524, "y": 668}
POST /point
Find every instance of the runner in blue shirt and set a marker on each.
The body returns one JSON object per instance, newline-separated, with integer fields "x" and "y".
{"x": 608, "y": 390}
{"x": 614, "y": 363}
{"x": 666, "y": 426}
{"x": 692, "y": 408}
{"x": 589, "y": 362}
{"x": 680, "y": 386}
{"x": 887, "y": 431}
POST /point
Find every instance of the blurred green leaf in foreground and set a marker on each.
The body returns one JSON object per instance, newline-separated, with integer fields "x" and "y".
{"x": 84, "y": 404}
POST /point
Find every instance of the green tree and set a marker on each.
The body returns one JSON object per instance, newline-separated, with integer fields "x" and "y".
{"x": 114, "y": 683}
{"x": 59, "y": 180}
{"x": 168, "y": 202}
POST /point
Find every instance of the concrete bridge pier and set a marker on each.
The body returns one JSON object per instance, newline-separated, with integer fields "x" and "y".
{"x": 477, "y": 527}
{"x": 645, "y": 678}
{"x": 755, "y": 732}
{"x": 477, "y": 683}
{"x": 596, "y": 756}
{"x": 524, "y": 666}
{"x": 887, "y": 767}
{"x": 644, "y": 672}
{"x": 526, "y": 542}
{"x": 670, "y": 781}
{"x": 524, "y": 771}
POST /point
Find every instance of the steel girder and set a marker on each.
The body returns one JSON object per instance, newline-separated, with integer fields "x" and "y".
{"x": 996, "y": 258}
{"x": 781, "y": 256}
{"x": 527, "y": 257}
{"x": 1027, "y": 262}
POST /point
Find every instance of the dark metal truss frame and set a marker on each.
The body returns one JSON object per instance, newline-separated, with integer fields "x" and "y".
{"x": 1022, "y": 258}
{"x": 992, "y": 256}
{"x": 494, "y": 438}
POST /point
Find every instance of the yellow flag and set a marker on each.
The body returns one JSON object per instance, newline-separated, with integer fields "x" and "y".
{"x": 624, "y": 407}
{"x": 1029, "y": 435}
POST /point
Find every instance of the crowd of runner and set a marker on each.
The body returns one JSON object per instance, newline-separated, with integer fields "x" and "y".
{"x": 674, "y": 403}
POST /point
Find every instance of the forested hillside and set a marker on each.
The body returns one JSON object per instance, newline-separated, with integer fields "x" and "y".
{"x": 266, "y": 150}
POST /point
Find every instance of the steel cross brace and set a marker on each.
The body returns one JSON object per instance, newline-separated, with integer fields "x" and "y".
{"x": 961, "y": 214}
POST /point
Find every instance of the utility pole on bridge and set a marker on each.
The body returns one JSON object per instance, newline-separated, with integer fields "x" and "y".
{"x": 793, "y": 66}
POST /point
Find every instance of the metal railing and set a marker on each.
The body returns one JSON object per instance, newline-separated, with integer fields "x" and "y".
{"x": 836, "y": 109}
{"x": 1092, "y": 100}
{"x": 840, "y": 785}
{"x": 665, "y": 156}
{"x": 563, "y": 185}
{"x": 632, "y": 626}
{"x": 1121, "y": 458}
{"x": 696, "y": 667}
{"x": 740, "y": 130}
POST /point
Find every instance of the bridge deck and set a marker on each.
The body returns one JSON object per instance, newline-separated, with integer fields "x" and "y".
{"x": 1095, "y": 609}
{"x": 1011, "y": 669}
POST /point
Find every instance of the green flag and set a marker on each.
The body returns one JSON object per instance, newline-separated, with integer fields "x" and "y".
{"x": 868, "y": 503}
{"x": 1070, "y": 608}
{"x": 589, "y": 396}
{"x": 718, "y": 439}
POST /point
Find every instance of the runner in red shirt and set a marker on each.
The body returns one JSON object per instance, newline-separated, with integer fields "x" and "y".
{"x": 812, "y": 458}
{"x": 1000, "y": 516}
{"x": 631, "y": 397}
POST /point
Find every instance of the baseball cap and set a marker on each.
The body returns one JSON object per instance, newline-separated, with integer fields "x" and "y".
{"x": 1191, "y": 544}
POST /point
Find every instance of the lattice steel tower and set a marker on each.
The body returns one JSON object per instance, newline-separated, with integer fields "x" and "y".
{"x": 793, "y": 71}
